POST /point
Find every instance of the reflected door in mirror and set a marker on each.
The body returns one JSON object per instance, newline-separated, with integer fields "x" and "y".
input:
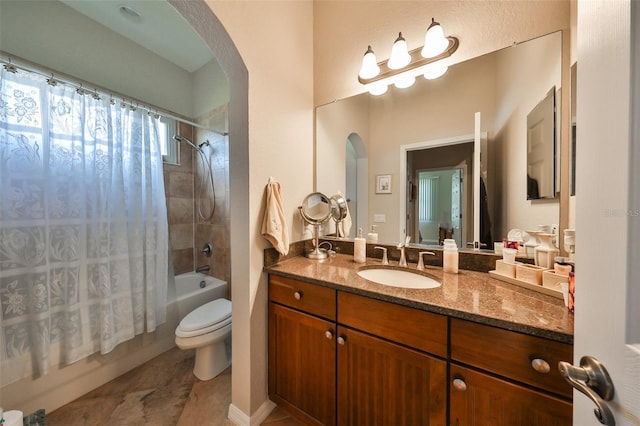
{"x": 541, "y": 149}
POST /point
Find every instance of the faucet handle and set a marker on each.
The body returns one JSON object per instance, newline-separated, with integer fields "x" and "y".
{"x": 420, "y": 266}
{"x": 207, "y": 249}
{"x": 385, "y": 259}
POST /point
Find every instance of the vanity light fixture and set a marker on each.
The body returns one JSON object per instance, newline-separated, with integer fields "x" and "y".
{"x": 403, "y": 66}
{"x": 400, "y": 57}
{"x": 370, "y": 66}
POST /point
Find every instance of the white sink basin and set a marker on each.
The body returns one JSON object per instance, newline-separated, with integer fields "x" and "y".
{"x": 403, "y": 278}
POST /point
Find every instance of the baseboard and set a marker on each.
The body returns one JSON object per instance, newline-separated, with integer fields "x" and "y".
{"x": 238, "y": 417}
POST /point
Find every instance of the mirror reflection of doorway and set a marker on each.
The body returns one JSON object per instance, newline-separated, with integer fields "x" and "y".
{"x": 439, "y": 204}
{"x": 440, "y": 194}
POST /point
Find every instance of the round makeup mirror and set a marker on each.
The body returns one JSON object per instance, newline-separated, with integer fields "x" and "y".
{"x": 338, "y": 207}
{"x": 339, "y": 212}
{"x": 316, "y": 209}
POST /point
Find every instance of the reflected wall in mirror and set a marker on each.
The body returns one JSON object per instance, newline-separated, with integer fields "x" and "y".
{"x": 504, "y": 86}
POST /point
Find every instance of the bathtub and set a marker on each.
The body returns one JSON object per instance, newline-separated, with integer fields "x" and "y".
{"x": 185, "y": 294}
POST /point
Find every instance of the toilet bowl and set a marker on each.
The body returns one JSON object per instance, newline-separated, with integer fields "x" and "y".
{"x": 207, "y": 329}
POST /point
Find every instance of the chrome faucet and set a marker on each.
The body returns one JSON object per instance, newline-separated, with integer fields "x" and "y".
{"x": 203, "y": 268}
{"x": 420, "y": 266}
{"x": 403, "y": 257}
{"x": 385, "y": 259}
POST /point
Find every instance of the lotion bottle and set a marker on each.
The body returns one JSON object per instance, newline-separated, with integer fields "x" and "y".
{"x": 450, "y": 256}
{"x": 372, "y": 236}
{"x": 359, "y": 248}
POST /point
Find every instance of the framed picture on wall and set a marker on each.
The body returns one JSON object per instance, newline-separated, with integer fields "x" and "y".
{"x": 383, "y": 184}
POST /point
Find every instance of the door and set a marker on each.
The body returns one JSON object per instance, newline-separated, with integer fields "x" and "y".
{"x": 541, "y": 136}
{"x": 439, "y": 204}
{"x": 382, "y": 383}
{"x": 302, "y": 359}
{"x": 607, "y": 313}
{"x": 478, "y": 399}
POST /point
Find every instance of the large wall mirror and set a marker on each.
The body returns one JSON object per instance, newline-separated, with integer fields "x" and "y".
{"x": 504, "y": 87}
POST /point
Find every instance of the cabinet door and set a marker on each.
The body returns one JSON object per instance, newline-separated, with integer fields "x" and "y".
{"x": 479, "y": 399}
{"x": 382, "y": 383}
{"x": 302, "y": 364}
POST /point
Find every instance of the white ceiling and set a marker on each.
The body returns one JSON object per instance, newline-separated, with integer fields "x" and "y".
{"x": 160, "y": 28}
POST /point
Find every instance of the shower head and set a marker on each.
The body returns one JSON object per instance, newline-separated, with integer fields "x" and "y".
{"x": 187, "y": 141}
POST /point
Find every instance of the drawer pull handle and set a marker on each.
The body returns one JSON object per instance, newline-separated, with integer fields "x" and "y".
{"x": 540, "y": 365}
{"x": 328, "y": 334}
{"x": 297, "y": 295}
{"x": 459, "y": 385}
{"x": 341, "y": 340}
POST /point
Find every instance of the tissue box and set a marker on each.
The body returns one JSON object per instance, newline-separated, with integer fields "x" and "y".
{"x": 529, "y": 273}
{"x": 506, "y": 269}
{"x": 552, "y": 280}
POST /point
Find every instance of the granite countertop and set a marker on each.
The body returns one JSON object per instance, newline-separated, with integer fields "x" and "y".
{"x": 470, "y": 295}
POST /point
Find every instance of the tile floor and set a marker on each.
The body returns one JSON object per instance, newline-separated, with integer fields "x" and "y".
{"x": 161, "y": 392}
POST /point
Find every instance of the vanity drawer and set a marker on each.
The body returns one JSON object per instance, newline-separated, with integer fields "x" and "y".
{"x": 418, "y": 329}
{"x": 511, "y": 354}
{"x": 310, "y": 298}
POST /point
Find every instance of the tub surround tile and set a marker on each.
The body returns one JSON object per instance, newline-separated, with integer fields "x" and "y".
{"x": 180, "y": 211}
{"x": 181, "y": 185}
{"x": 182, "y": 261}
{"x": 181, "y": 236}
{"x": 471, "y": 295}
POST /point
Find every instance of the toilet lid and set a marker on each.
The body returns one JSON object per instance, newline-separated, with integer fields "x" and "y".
{"x": 211, "y": 313}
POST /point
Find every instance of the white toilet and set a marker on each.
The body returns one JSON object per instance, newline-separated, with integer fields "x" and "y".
{"x": 207, "y": 329}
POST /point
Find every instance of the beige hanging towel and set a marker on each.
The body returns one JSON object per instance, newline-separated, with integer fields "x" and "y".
{"x": 344, "y": 227}
{"x": 274, "y": 225}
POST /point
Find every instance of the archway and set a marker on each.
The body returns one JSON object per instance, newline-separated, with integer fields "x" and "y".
{"x": 207, "y": 25}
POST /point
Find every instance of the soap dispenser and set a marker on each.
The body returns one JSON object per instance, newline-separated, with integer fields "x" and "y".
{"x": 372, "y": 236}
{"x": 450, "y": 256}
{"x": 359, "y": 248}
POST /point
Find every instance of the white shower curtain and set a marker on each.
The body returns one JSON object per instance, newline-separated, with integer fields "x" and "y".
{"x": 83, "y": 226}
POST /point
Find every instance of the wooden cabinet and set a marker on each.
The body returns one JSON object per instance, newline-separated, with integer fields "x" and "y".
{"x": 481, "y": 399}
{"x": 346, "y": 359}
{"x": 302, "y": 349}
{"x": 382, "y": 378}
{"x": 302, "y": 364}
{"x": 518, "y": 382}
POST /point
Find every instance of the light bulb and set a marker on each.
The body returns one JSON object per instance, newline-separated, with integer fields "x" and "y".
{"x": 377, "y": 89}
{"x": 399, "y": 54}
{"x": 370, "y": 66}
{"x": 434, "y": 41}
{"x": 404, "y": 81}
{"x": 434, "y": 71}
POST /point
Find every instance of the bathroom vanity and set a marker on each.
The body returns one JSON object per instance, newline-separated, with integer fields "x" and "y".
{"x": 474, "y": 351}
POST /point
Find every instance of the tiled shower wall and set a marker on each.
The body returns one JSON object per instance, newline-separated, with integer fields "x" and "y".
{"x": 187, "y": 231}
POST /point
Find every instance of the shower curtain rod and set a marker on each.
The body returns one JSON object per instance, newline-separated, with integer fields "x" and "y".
{"x": 12, "y": 62}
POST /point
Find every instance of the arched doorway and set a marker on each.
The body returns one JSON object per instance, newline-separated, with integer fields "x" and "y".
{"x": 207, "y": 25}
{"x": 357, "y": 183}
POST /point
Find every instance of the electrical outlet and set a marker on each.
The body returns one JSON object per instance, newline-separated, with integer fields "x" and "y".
{"x": 379, "y": 218}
